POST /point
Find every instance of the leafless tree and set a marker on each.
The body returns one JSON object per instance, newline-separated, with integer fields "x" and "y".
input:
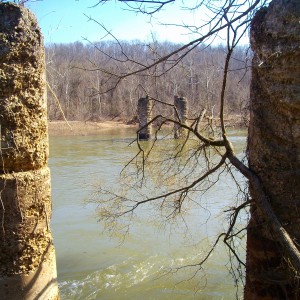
{"x": 186, "y": 169}
{"x": 19, "y": 2}
{"x": 198, "y": 77}
{"x": 189, "y": 165}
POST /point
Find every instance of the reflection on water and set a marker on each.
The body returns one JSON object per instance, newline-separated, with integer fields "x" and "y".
{"x": 93, "y": 266}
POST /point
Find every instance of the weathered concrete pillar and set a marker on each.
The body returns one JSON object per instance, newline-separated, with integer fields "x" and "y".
{"x": 27, "y": 257}
{"x": 180, "y": 114}
{"x": 274, "y": 147}
{"x": 145, "y": 115}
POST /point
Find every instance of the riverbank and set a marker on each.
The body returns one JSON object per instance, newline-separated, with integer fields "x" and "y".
{"x": 63, "y": 128}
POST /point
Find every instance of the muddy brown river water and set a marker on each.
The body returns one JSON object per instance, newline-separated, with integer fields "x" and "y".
{"x": 91, "y": 265}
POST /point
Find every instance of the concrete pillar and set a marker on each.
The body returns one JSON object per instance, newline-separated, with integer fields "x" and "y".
{"x": 144, "y": 116}
{"x": 27, "y": 256}
{"x": 274, "y": 148}
{"x": 180, "y": 114}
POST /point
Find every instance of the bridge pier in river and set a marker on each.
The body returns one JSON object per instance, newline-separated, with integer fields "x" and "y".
{"x": 180, "y": 115}
{"x": 145, "y": 106}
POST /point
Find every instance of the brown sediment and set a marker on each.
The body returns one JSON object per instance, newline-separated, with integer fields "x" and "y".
{"x": 61, "y": 128}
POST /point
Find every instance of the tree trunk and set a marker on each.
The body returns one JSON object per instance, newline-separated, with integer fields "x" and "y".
{"x": 27, "y": 257}
{"x": 274, "y": 147}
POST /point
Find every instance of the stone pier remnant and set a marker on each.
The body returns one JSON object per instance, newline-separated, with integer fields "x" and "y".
{"x": 180, "y": 115}
{"x": 27, "y": 256}
{"x": 145, "y": 106}
{"x": 274, "y": 148}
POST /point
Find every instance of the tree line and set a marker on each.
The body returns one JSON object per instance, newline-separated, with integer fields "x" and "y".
{"x": 77, "y": 78}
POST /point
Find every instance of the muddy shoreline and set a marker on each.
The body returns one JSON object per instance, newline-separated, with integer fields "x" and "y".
{"x": 75, "y": 128}
{"x": 62, "y": 128}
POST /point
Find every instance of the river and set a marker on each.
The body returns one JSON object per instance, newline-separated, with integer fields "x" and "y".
{"x": 92, "y": 265}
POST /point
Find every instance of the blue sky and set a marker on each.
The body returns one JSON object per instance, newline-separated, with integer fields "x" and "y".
{"x": 63, "y": 21}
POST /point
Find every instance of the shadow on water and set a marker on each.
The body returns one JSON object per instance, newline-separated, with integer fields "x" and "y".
{"x": 91, "y": 265}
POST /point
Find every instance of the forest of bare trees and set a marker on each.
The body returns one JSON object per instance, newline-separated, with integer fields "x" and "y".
{"x": 104, "y": 80}
{"x": 86, "y": 93}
